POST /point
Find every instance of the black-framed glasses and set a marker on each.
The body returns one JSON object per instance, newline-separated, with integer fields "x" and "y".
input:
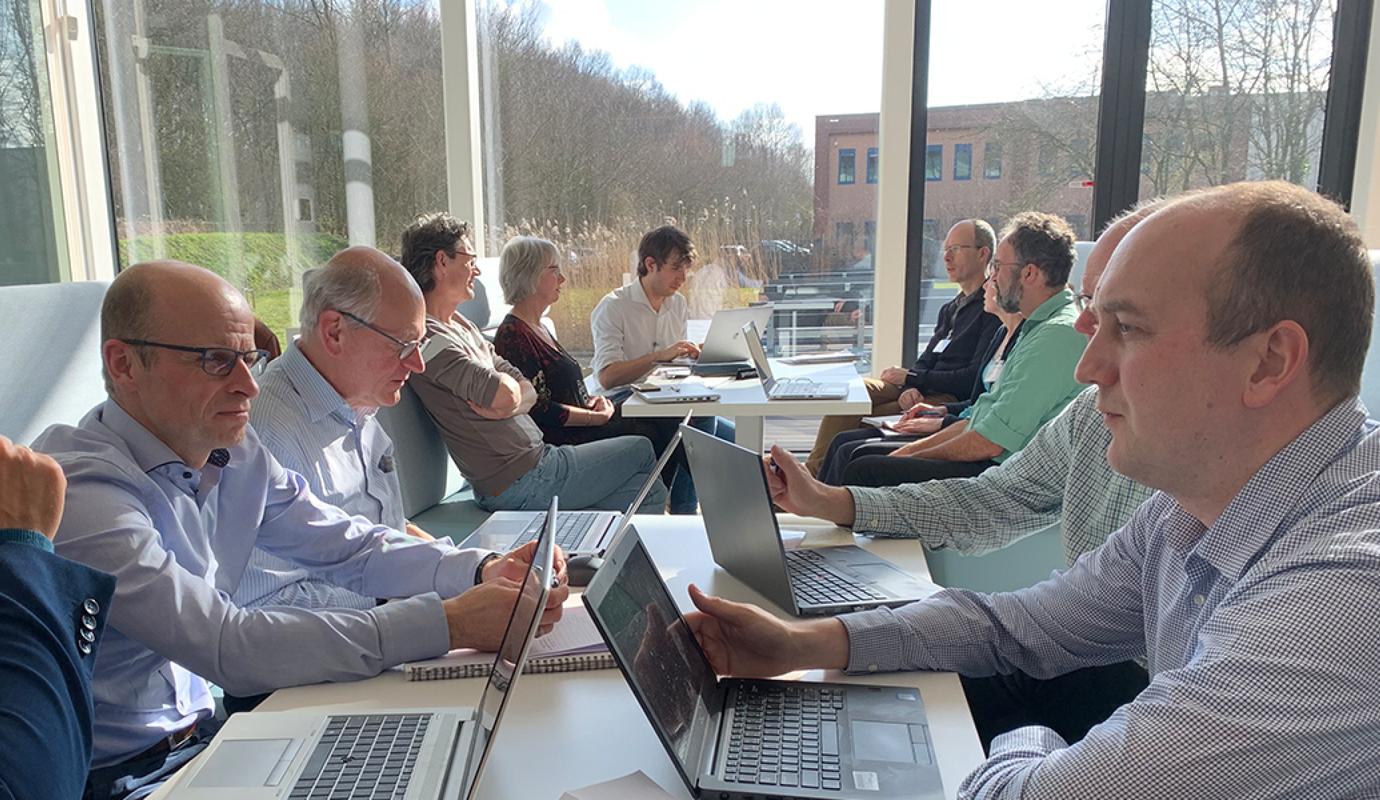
{"x": 405, "y": 349}
{"x": 216, "y": 361}
{"x": 954, "y": 248}
{"x": 1081, "y": 301}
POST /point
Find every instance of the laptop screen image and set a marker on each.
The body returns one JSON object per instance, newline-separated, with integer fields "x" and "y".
{"x": 512, "y": 653}
{"x": 753, "y": 338}
{"x": 656, "y": 650}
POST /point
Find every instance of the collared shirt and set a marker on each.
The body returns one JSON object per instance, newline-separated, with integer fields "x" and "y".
{"x": 626, "y": 326}
{"x": 1061, "y": 477}
{"x": 1259, "y": 631}
{"x": 178, "y": 539}
{"x": 1037, "y": 380}
{"x": 347, "y": 460}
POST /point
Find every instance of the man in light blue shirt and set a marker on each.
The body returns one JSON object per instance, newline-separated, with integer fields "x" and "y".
{"x": 1228, "y": 336}
{"x": 316, "y": 406}
{"x": 170, "y": 490}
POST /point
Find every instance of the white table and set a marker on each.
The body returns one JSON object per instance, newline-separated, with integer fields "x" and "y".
{"x": 569, "y": 730}
{"x": 746, "y": 402}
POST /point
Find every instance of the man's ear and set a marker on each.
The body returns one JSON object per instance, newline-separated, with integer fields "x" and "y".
{"x": 1280, "y": 354}
{"x": 119, "y": 359}
{"x": 650, "y": 264}
{"x": 438, "y": 261}
{"x": 330, "y": 331}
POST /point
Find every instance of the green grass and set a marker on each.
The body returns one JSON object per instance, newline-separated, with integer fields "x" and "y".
{"x": 277, "y": 311}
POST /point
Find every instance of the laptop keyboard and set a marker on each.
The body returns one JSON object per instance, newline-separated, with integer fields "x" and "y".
{"x": 363, "y": 756}
{"x": 570, "y": 529}
{"x": 814, "y": 583}
{"x": 794, "y": 387}
{"x": 785, "y": 735}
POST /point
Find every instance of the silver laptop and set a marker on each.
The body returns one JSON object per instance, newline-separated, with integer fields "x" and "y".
{"x": 401, "y": 754}
{"x": 724, "y": 342}
{"x": 738, "y": 738}
{"x": 745, "y": 540}
{"x": 580, "y": 532}
{"x": 789, "y": 388}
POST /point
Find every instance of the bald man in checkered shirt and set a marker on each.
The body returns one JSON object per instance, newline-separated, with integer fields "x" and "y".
{"x": 1228, "y": 334}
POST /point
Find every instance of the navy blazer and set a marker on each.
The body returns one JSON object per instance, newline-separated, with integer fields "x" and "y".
{"x": 52, "y": 613}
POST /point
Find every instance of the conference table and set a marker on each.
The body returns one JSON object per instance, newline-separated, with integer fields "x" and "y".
{"x": 565, "y": 731}
{"x": 745, "y": 401}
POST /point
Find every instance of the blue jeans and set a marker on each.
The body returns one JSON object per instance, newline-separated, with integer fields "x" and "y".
{"x": 140, "y": 776}
{"x": 604, "y": 474}
{"x": 683, "y": 497}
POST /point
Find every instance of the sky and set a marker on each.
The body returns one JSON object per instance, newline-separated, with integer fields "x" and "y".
{"x": 815, "y": 57}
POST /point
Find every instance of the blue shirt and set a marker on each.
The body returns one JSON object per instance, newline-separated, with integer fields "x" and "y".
{"x": 178, "y": 539}
{"x": 347, "y": 461}
{"x": 1259, "y": 631}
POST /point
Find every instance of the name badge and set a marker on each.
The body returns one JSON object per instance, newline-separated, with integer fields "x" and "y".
{"x": 942, "y": 345}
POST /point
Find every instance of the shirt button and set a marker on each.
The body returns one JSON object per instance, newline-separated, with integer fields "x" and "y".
{"x": 84, "y": 648}
{"x": 88, "y": 622}
{"x": 87, "y": 636}
{"x": 91, "y": 606}
{"x": 187, "y": 475}
{"x": 1198, "y": 600}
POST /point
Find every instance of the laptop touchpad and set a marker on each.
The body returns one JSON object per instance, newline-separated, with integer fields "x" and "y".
{"x": 243, "y": 763}
{"x": 882, "y": 741}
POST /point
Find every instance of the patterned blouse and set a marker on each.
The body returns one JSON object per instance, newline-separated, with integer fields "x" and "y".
{"x": 554, "y": 373}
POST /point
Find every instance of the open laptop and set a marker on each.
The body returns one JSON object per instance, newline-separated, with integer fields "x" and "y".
{"x": 739, "y": 738}
{"x": 580, "y": 532}
{"x": 723, "y": 351}
{"x": 401, "y": 754}
{"x": 745, "y": 540}
{"x": 789, "y": 388}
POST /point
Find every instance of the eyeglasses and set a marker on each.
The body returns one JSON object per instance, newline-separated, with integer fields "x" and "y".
{"x": 1081, "y": 301}
{"x": 405, "y": 349}
{"x": 215, "y": 361}
{"x": 953, "y": 248}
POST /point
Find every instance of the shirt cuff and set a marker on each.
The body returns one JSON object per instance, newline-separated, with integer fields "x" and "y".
{"x": 22, "y": 536}
{"x": 916, "y": 379}
{"x": 869, "y": 507}
{"x": 1034, "y": 741}
{"x": 413, "y": 629}
{"x": 872, "y": 640}
{"x": 999, "y": 433}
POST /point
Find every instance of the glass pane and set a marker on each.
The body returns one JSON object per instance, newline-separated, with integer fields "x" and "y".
{"x": 1235, "y": 91}
{"x": 595, "y": 134}
{"x": 257, "y": 139}
{"x": 31, "y": 216}
{"x": 1031, "y": 122}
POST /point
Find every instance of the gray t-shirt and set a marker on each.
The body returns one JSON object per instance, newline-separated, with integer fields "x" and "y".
{"x": 461, "y": 366}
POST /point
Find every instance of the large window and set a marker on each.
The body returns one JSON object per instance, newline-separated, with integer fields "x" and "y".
{"x": 963, "y": 162}
{"x": 871, "y": 165}
{"x": 934, "y": 162}
{"x": 991, "y": 160}
{"x": 258, "y": 138}
{"x": 1235, "y": 91}
{"x": 33, "y": 247}
{"x": 592, "y": 134}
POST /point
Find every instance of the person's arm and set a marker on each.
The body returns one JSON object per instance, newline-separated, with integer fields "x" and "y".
{"x": 957, "y": 442}
{"x": 482, "y": 387}
{"x": 1036, "y": 384}
{"x": 955, "y": 370}
{"x": 1293, "y": 645}
{"x": 516, "y": 352}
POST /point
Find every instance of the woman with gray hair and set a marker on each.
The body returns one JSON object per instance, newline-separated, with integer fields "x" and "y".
{"x": 529, "y": 272}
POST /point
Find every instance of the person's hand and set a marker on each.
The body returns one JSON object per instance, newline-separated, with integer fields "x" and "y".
{"x": 514, "y": 564}
{"x": 32, "y": 489}
{"x": 507, "y": 399}
{"x": 896, "y": 376}
{"x": 908, "y": 449}
{"x": 909, "y": 398}
{"x": 741, "y": 639}
{"x": 478, "y": 618}
{"x": 919, "y": 426}
{"x": 602, "y": 410}
{"x": 417, "y": 533}
{"x": 855, "y": 315}
{"x": 681, "y": 349}
{"x": 923, "y": 409}
{"x": 795, "y": 490}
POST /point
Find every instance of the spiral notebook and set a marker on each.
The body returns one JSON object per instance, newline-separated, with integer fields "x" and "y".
{"x": 573, "y": 645}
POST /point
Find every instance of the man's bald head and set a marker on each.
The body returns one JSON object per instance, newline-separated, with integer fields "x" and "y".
{"x": 157, "y": 301}
{"x": 357, "y": 280}
{"x": 1116, "y": 230}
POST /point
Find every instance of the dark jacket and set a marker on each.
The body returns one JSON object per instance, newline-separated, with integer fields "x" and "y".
{"x": 969, "y": 329}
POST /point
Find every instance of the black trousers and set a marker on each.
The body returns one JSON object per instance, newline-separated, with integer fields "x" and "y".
{"x": 879, "y": 470}
{"x": 1070, "y": 704}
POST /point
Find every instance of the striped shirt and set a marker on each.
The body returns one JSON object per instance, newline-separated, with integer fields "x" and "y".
{"x": 1259, "y": 632}
{"x": 1061, "y": 477}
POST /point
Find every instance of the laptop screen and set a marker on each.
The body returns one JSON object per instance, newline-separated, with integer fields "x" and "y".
{"x": 512, "y": 653}
{"x": 759, "y": 354}
{"x": 656, "y": 651}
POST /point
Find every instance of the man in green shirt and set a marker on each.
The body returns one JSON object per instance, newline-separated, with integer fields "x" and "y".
{"x": 1029, "y": 274}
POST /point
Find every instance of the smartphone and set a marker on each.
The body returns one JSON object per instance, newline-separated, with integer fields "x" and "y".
{"x": 647, "y": 387}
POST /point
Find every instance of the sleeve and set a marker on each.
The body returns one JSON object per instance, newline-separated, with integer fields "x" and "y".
{"x": 607, "y": 327}
{"x": 1006, "y": 503}
{"x": 250, "y": 651}
{"x": 1088, "y": 615}
{"x": 1278, "y": 701}
{"x": 46, "y": 708}
{"x": 957, "y": 380}
{"x": 452, "y": 369}
{"x": 1036, "y": 383}
{"x": 519, "y": 349}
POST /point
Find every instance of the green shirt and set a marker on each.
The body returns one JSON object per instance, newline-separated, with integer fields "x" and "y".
{"x": 1037, "y": 381}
